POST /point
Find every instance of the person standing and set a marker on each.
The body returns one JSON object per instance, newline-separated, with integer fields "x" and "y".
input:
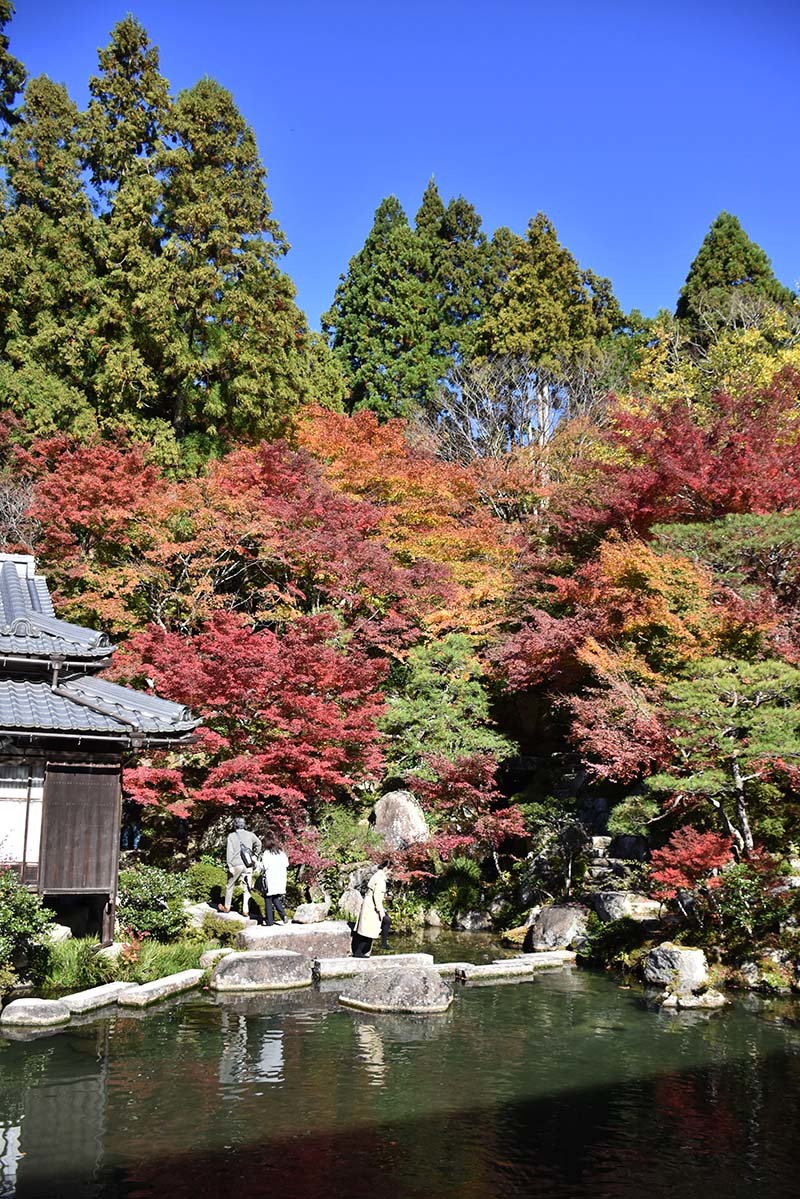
{"x": 274, "y": 864}
{"x": 242, "y": 850}
{"x": 373, "y": 913}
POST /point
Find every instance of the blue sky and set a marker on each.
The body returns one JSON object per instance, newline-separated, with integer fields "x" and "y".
{"x": 630, "y": 124}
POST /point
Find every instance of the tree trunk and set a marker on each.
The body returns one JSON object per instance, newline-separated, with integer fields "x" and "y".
{"x": 741, "y": 808}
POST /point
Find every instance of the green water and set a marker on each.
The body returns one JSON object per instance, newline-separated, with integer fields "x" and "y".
{"x": 565, "y": 1086}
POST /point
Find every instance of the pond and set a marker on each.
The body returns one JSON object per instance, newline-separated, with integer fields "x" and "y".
{"x": 561, "y": 1087}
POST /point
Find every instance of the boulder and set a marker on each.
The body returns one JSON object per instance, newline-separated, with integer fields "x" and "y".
{"x": 677, "y": 968}
{"x": 310, "y": 913}
{"x": 473, "y": 922}
{"x": 557, "y": 926}
{"x": 327, "y": 939}
{"x": 196, "y": 914}
{"x": 267, "y": 970}
{"x": 111, "y": 952}
{"x": 400, "y": 820}
{"x": 350, "y": 902}
{"x": 432, "y": 918}
{"x": 618, "y": 905}
{"x": 58, "y": 932}
{"x": 211, "y": 957}
{"x": 35, "y": 1013}
{"x": 421, "y": 992}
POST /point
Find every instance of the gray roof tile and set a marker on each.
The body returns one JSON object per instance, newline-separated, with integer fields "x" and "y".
{"x": 115, "y": 711}
{"x": 28, "y": 626}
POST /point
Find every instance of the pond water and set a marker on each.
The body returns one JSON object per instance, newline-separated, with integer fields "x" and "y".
{"x": 562, "y": 1087}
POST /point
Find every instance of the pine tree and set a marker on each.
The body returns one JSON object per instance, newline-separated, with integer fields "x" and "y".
{"x": 382, "y": 323}
{"x": 729, "y": 271}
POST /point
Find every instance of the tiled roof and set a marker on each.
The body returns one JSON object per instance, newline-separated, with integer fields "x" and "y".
{"x": 28, "y": 626}
{"x": 89, "y": 706}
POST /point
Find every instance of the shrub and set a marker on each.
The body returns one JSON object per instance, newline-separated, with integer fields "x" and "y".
{"x": 151, "y": 902}
{"x": 205, "y": 881}
{"x": 23, "y": 925}
{"x": 406, "y": 912}
{"x": 458, "y": 889}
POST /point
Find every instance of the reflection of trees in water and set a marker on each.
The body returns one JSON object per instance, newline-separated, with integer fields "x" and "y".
{"x": 565, "y": 1085}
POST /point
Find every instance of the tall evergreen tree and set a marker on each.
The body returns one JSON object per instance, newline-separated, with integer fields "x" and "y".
{"x": 459, "y": 265}
{"x": 382, "y": 323}
{"x": 548, "y": 309}
{"x": 12, "y": 72}
{"x": 48, "y": 284}
{"x": 729, "y": 270}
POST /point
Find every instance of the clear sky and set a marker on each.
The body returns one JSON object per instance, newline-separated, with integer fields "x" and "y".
{"x": 631, "y": 124}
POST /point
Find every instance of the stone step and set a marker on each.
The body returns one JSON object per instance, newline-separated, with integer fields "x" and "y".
{"x": 95, "y": 997}
{"x": 347, "y": 967}
{"x": 161, "y": 988}
{"x": 514, "y": 967}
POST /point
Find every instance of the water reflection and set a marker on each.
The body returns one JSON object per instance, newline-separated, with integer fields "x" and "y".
{"x": 562, "y": 1087}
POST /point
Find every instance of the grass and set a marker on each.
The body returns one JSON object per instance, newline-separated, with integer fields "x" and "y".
{"x": 75, "y": 965}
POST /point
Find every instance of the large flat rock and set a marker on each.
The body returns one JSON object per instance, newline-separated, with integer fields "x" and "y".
{"x": 161, "y": 988}
{"x": 34, "y": 1013}
{"x": 326, "y": 967}
{"x": 417, "y": 992}
{"x": 95, "y": 997}
{"x": 326, "y": 939}
{"x": 262, "y": 970}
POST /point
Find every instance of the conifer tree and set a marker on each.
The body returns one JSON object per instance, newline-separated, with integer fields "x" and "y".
{"x": 12, "y": 72}
{"x": 729, "y": 270}
{"x": 48, "y": 284}
{"x": 548, "y": 309}
{"x": 382, "y": 323}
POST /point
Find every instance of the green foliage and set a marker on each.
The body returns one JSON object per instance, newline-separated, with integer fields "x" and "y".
{"x": 75, "y": 965}
{"x": 729, "y": 266}
{"x": 345, "y": 836}
{"x": 616, "y": 942}
{"x": 559, "y": 845}
{"x": 204, "y": 879}
{"x": 382, "y": 323}
{"x": 548, "y": 309}
{"x": 23, "y": 931}
{"x": 224, "y": 932}
{"x": 406, "y": 911}
{"x": 153, "y": 960}
{"x": 440, "y": 707}
{"x": 458, "y": 888}
{"x": 749, "y": 907}
{"x": 151, "y": 902}
{"x": 632, "y": 815}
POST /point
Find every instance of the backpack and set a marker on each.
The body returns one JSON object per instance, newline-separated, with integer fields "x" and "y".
{"x": 248, "y": 861}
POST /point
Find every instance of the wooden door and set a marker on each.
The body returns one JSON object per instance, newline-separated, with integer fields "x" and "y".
{"x": 80, "y": 829}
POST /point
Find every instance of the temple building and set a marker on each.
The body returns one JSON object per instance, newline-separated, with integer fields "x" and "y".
{"x": 64, "y": 735}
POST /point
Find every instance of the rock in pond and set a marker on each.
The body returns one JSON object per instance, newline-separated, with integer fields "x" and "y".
{"x": 557, "y": 926}
{"x": 676, "y": 967}
{"x": 709, "y": 1000}
{"x": 34, "y": 1013}
{"x": 327, "y": 939}
{"x": 267, "y": 970}
{"x": 418, "y": 992}
{"x": 473, "y": 922}
{"x": 400, "y": 820}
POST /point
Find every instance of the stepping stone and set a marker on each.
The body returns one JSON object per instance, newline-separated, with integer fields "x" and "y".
{"x": 327, "y": 938}
{"x": 95, "y": 997}
{"x": 347, "y": 967}
{"x": 34, "y": 1013}
{"x": 417, "y": 992}
{"x": 266, "y": 970}
{"x": 161, "y": 988}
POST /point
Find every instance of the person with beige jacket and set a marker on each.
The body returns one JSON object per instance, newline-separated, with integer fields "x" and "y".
{"x": 372, "y": 917}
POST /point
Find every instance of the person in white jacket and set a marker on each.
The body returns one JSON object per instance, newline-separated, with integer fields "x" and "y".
{"x": 274, "y": 864}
